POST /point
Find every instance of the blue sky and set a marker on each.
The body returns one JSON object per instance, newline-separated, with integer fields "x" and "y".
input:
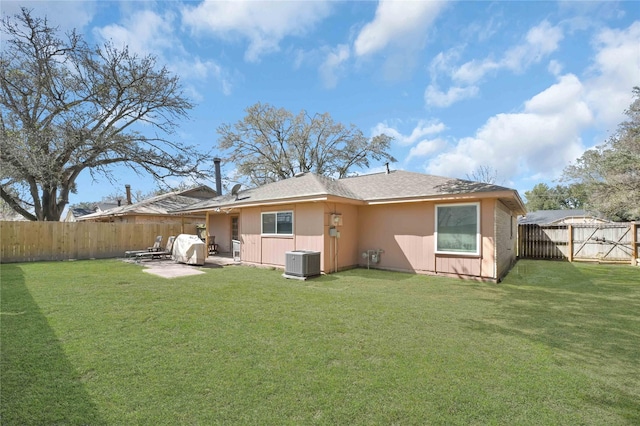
{"x": 521, "y": 87}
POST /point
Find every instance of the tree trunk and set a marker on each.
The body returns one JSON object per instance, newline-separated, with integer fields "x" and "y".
{"x": 50, "y": 209}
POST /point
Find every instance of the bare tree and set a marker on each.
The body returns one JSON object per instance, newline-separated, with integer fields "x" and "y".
{"x": 271, "y": 144}
{"x": 67, "y": 107}
{"x": 484, "y": 174}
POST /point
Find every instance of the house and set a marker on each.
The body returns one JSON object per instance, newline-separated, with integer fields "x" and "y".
{"x": 560, "y": 217}
{"x": 73, "y": 214}
{"x": 158, "y": 209}
{"x": 11, "y": 216}
{"x": 411, "y": 221}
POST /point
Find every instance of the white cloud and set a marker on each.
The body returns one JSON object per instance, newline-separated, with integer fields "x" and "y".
{"x": 264, "y": 24}
{"x": 67, "y": 15}
{"x": 614, "y": 73}
{"x": 197, "y": 69}
{"x": 396, "y": 22}
{"x": 435, "y": 97}
{"x": 554, "y": 99}
{"x": 423, "y": 128}
{"x": 473, "y": 71}
{"x": 425, "y": 148}
{"x": 333, "y": 65}
{"x": 442, "y": 63}
{"x": 143, "y": 32}
{"x": 146, "y": 32}
{"x": 555, "y": 67}
{"x": 540, "y": 41}
{"x": 544, "y": 137}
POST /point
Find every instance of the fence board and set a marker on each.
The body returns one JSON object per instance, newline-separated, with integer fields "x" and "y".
{"x": 610, "y": 242}
{"x": 35, "y": 241}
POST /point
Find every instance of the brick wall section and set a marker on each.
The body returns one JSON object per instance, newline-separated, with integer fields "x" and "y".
{"x": 505, "y": 232}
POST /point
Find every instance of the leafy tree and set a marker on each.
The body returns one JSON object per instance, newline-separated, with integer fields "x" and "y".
{"x": 544, "y": 197}
{"x": 610, "y": 173}
{"x": 271, "y": 144}
{"x": 67, "y": 108}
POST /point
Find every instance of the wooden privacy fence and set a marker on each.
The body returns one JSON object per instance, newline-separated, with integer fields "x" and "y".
{"x": 33, "y": 241}
{"x": 604, "y": 242}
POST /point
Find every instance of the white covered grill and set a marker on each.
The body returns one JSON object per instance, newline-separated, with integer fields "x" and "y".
{"x": 189, "y": 249}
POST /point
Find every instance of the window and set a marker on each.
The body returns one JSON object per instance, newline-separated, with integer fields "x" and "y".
{"x": 279, "y": 223}
{"x": 458, "y": 228}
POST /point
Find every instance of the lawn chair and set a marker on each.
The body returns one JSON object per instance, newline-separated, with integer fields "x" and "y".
{"x": 158, "y": 254}
{"x": 155, "y": 247}
{"x": 213, "y": 247}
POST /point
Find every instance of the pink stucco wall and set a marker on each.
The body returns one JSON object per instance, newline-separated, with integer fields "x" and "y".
{"x": 341, "y": 252}
{"x": 220, "y": 227}
{"x": 406, "y": 234}
{"x": 270, "y": 249}
{"x": 405, "y": 231}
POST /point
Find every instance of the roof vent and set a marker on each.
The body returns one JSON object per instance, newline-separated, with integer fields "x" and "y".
{"x": 300, "y": 174}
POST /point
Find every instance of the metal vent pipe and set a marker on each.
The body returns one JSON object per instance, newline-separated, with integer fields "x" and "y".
{"x": 216, "y": 162}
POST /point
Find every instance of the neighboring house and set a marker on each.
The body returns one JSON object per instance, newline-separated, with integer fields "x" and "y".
{"x": 414, "y": 222}
{"x": 158, "y": 209}
{"x": 73, "y": 214}
{"x": 10, "y": 216}
{"x": 560, "y": 217}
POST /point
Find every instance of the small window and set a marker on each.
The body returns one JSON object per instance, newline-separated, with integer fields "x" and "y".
{"x": 278, "y": 223}
{"x": 458, "y": 229}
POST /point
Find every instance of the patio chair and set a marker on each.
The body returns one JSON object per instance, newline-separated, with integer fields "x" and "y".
{"x": 155, "y": 247}
{"x": 213, "y": 247}
{"x": 168, "y": 250}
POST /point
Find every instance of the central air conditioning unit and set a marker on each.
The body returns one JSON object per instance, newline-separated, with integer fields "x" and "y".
{"x": 302, "y": 264}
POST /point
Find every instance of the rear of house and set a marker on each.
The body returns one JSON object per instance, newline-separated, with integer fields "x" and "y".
{"x": 398, "y": 221}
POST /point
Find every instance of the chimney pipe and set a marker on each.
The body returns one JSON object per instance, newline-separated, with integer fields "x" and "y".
{"x": 128, "y": 188}
{"x": 119, "y": 202}
{"x": 216, "y": 162}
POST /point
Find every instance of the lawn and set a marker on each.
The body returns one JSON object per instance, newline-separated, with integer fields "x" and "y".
{"x": 101, "y": 342}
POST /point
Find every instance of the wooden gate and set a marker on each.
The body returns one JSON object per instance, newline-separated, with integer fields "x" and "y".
{"x": 612, "y": 243}
{"x": 608, "y": 242}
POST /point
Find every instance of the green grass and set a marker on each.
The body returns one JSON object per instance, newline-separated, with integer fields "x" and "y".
{"x": 100, "y": 342}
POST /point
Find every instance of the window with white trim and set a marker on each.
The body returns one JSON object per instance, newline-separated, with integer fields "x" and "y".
{"x": 458, "y": 229}
{"x": 277, "y": 223}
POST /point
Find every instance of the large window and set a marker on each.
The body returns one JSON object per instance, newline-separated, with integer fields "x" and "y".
{"x": 458, "y": 228}
{"x": 278, "y": 223}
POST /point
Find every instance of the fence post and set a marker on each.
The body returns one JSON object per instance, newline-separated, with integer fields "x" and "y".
{"x": 570, "y": 243}
{"x": 634, "y": 243}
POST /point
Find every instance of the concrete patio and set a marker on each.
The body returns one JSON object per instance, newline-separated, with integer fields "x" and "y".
{"x": 168, "y": 268}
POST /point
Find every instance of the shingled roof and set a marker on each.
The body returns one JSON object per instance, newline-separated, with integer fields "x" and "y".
{"x": 163, "y": 204}
{"x": 551, "y": 217}
{"x": 402, "y": 184}
{"x": 365, "y": 189}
